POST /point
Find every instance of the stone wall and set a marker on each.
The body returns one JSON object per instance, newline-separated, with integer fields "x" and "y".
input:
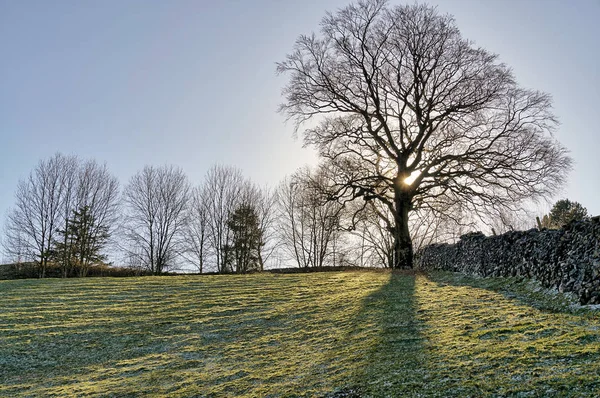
{"x": 567, "y": 259}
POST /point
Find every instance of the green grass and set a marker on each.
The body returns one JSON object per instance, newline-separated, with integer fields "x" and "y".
{"x": 376, "y": 333}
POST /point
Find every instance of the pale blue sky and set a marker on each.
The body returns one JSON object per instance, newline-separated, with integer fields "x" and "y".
{"x": 193, "y": 83}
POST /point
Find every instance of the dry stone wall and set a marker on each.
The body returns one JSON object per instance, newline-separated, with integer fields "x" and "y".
{"x": 567, "y": 259}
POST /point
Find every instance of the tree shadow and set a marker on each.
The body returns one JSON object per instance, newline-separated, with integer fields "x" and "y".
{"x": 390, "y": 364}
{"x": 522, "y": 290}
{"x": 439, "y": 337}
{"x": 484, "y": 341}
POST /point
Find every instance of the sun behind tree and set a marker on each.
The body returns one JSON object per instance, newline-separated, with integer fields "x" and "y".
{"x": 395, "y": 92}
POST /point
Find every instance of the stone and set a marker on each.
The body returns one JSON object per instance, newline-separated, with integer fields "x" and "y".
{"x": 567, "y": 259}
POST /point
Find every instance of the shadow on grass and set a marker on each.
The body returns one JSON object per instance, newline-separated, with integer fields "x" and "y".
{"x": 391, "y": 364}
{"x": 522, "y": 290}
{"x": 483, "y": 341}
{"x": 376, "y": 335}
{"x": 246, "y": 336}
{"x": 441, "y": 337}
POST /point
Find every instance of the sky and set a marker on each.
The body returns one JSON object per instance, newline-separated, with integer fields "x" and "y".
{"x": 193, "y": 83}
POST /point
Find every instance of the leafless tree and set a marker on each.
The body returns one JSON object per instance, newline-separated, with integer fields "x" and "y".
{"x": 85, "y": 185}
{"x": 373, "y": 244}
{"x": 157, "y": 200}
{"x": 69, "y": 183}
{"x": 46, "y": 202}
{"x": 98, "y": 193}
{"x": 265, "y": 205}
{"x": 258, "y": 205}
{"x": 210, "y": 238}
{"x": 197, "y": 234}
{"x": 443, "y": 224}
{"x": 309, "y": 223}
{"x": 40, "y": 199}
{"x": 413, "y": 115}
{"x": 13, "y": 246}
{"x": 503, "y": 221}
{"x": 223, "y": 186}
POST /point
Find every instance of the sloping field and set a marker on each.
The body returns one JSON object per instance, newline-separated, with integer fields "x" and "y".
{"x": 371, "y": 333}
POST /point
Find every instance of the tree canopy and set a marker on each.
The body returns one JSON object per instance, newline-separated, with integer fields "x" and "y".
{"x": 562, "y": 213}
{"x": 410, "y": 114}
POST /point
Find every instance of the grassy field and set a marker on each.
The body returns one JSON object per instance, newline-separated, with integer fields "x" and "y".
{"x": 323, "y": 334}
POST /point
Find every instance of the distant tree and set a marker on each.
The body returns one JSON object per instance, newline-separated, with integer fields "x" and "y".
{"x": 89, "y": 187}
{"x": 98, "y": 192}
{"x": 69, "y": 181}
{"x": 197, "y": 235}
{"x": 374, "y": 243}
{"x": 13, "y": 248}
{"x": 40, "y": 200}
{"x": 256, "y": 208}
{"x": 45, "y": 203}
{"x": 562, "y": 213}
{"x": 224, "y": 200}
{"x": 246, "y": 238}
{"x": 223, "y": 186}
{"x": 82, "y": 242}
{"x": 265, "y": 204}
{"x": 518, "y": 220}
{"x": 309, "y": 223}
{"x": 410, "y": 114}
{"x": 157, "y": 200}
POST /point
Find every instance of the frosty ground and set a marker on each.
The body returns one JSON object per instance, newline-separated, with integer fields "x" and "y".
{"x": 322, "y": 334}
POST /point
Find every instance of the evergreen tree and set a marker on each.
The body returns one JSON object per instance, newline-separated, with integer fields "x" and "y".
{"x": 81, "y": 243}
{"x": 563, "y": 212}
{"x": 247, "y": 238}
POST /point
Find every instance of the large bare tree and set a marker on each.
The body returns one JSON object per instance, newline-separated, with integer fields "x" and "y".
{"x": 411, "y": 114}
{"x": 157, "y": 200}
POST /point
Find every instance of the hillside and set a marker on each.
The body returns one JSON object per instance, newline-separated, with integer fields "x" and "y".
{"x": 322, "y": 334}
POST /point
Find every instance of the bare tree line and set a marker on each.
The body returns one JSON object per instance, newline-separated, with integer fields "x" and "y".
{"x": 46, "y": 203}
{"x": 70, "y": 213}
{"x": 160, "y": 222}
{"x": 231, "y": 228}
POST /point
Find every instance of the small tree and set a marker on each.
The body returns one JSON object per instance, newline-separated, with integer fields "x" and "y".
{"x": 81, "y": 242}
{"x": 247, "y": 238}
{"x": 563, "y": 212}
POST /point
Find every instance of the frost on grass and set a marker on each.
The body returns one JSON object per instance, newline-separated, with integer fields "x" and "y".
{"x": 320, "y": 335}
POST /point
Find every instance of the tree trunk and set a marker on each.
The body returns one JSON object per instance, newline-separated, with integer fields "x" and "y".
{"x": 403, "y": 249}
{"x": 260, "y": 257}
